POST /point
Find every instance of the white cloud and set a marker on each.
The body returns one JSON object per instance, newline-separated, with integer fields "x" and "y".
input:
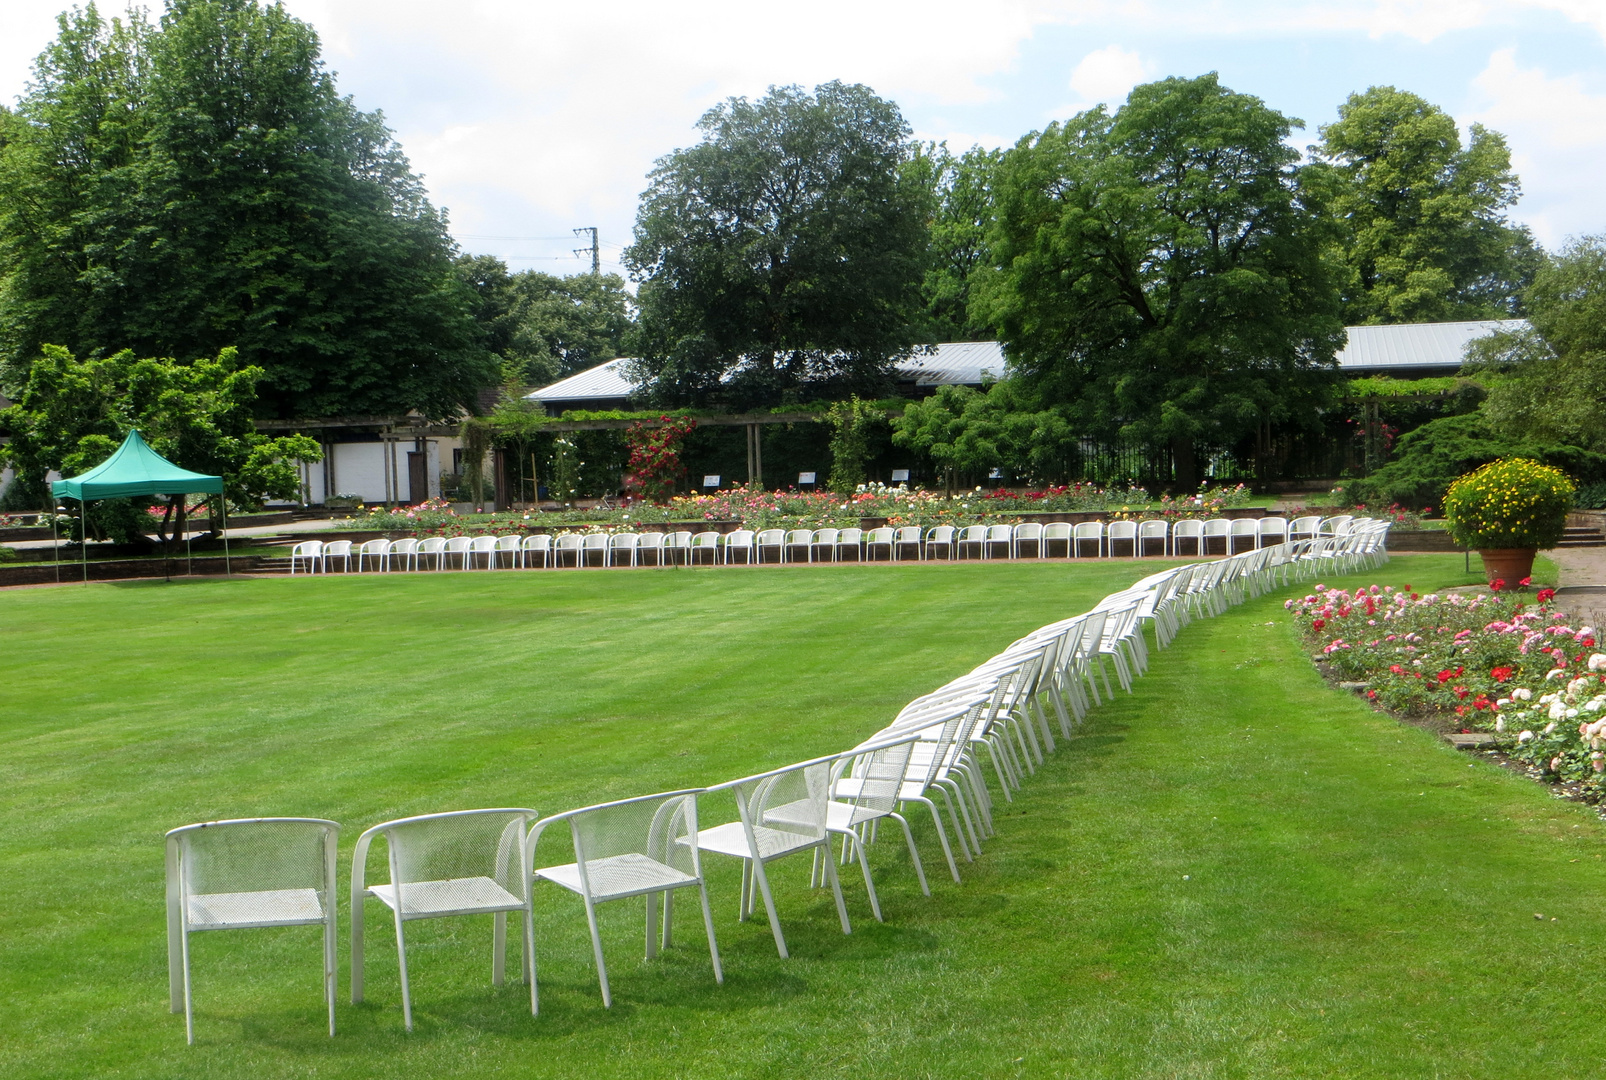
{"x": 1557, "y": 132}
{"x": 1108, "y": 74}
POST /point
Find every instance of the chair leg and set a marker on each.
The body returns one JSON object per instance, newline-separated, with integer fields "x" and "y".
{"x": 769, "y": 904}
{"x": 914, "y": 852}
{"x": 869, "y": 884}
{"x": 529, "y": 957}
{"x": 329, "y": 975}
{"x": 708, "y": 927}
{"x": 942, "y": 834}
{"x": 836, "y": 891}
{"x": 401, "y": 958}
{"x": 499, "y": 949}
{"x": 652, "y": 923}
{"x": 189, "y": 1011}
{"x": 596, "y": 950}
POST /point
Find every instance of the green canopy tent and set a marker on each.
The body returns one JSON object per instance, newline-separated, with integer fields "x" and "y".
{"x": 136, "y": 469}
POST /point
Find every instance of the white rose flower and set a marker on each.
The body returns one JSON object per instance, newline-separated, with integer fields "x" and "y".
{"x": 1500, "y": 723}
{"x": 1549, "y": 728}
{"x": 1597, "y": 662}
{"x": 1557, "y": 710}
{"x": 1521, "y": 693}
{"x": 1525, "y": 736}
{"x": 1572, "y": 714}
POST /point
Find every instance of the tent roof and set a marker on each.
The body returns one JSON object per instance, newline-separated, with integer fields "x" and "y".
{"x": 136, "y": 469}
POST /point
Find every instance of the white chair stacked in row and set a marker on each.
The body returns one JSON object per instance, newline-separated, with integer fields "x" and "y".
{"x": 281, "y": 871}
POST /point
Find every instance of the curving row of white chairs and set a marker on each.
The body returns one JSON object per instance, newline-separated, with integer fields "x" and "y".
{"x": 999, "y": 720}
{"x": 1188, "y": 536}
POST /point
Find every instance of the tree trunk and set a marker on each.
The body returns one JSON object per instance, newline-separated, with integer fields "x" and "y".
{"x": 1186, "y": 465}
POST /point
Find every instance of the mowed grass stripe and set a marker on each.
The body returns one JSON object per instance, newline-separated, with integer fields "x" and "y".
{"x": 1358, "y": 902}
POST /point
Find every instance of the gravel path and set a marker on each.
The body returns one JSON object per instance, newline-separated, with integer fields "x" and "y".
{"x": 1582, "y": 588}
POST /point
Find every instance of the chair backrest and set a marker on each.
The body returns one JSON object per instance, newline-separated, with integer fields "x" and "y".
{"x": 337, "y": 548}
{"x": 623, "y": 847}
{"x": 374, "y": 547}
{"x": 940, "y": 534}
{"x": 250, "y": 855}
{"x": 742, "y": 537}
{"x": 448, "y": 853}
{"x": 769, "y": 537}
{"x": 1057, "y": 530}
{"x": 1217, "y": 527}
{"x": 651, "y": 540}
{"x": 458, "y": 543}
{"x": 850, "y": 536}
{"x": 483, "y": 544}
{"x": 307, "y": 549}
{"x": 595, "y": 541}
{"x": 1187, "y": 527}
{"x": 907, "y": 534}
{"x": 1122, "y": 530}
{"x": 973, "y": 534}
{"x": 623, "y": 540}
{"x": 568, "y": 542}
{"x": 799, "y": 537}
{"x": 879, "y": 770}
{"x": 1000, "y": 533}
{"x": 711, "y": 539}
{"x": 1153, "y": 528}
{"x": 1331, "y": 526}
{"x": 1304, "y": 525}
{"x": 680, "y": 538}
{"x": 1273, "y": 526}
{"x": 1088, "y": 530}
{"x": 793, "y": 802}
{"x": 1029, "y": 530}
{"x": 408, "y": 546}
{"x": 509, "y": 543}
{"x": 884, "y": 535}
{"x": 825, "y": 536}
{"x": 432, "y": 545}
{"x": 538, "y": 542}
{"x": 1245, "y": 527}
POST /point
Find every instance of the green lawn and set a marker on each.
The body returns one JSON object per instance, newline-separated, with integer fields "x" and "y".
{"x": 1234, "y": 872}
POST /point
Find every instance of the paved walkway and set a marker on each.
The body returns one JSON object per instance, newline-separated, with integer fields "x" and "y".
{"x": 1582, "y": 585}
{"x": 310, "y": 525}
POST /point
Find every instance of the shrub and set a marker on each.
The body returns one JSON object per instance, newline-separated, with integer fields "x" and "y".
{"x": 8, "y": 554}
{"x": 1510, "y": 503}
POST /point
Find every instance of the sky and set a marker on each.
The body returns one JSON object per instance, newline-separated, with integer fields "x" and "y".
{"x": 529, "y": 119}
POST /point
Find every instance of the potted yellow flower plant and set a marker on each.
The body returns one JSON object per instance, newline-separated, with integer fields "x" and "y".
{"x": 1507, "y": 511}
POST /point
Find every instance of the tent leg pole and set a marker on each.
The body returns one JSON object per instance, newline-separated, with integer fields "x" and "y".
{"x": 83, "y": 527}
{"x": 223, "y": 503}
{"x": 55, "y": 542}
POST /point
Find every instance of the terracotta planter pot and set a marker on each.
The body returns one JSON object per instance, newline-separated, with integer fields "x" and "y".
{"x": 1510, "y": 565}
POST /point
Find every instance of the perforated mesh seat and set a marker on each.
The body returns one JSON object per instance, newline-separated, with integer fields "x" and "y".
{"x": 465, "y": 863}
{"x": 243, "y": 874}
{"x": 647, "y": 846}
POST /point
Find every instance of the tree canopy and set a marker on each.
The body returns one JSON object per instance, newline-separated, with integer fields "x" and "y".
{"x": 544, "y": 327}
{"x": 1162, "y": 270}
{"x": 961, "y": 210}
{"x": 1424, "y": 237}
{"x": 784, "y": 250}
{"x": 200, "y": 184}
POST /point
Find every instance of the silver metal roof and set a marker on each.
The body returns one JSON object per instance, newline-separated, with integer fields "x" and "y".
{"x": 606, "y": 380}
{"x": 955, "y": 363}
{"x": 1416, "y": 345}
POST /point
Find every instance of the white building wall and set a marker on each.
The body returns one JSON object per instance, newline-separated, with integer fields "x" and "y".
{"x": 360, "y": 470}
{"x": 6, "y": 476}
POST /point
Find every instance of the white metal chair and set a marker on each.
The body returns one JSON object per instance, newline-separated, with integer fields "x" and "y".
{"x": 851, "y": 540}
{"x": 1272, "y": 530}
{"x": 650, "y": 543}
{"x": 432, "y": 547}
{"x": 709, "y": 542}
{"x": 747, "y": 542}
{"x": 621, "y": 543}
{"x": 645, "y": 846}
{"x": 770, "y": 540}
{"x": 1189, "y": 530}
{"x": 594, "y": 542}
{"x": 376, "y": 550}
{"x": 1243, "y": 528}
{"x": 481, "y": 545}
{"x": 824, "y": 538}
{"x": 941, "y": 536}
{"x": 882, "y": 538}
{"x": 1216, "y": 529}
{"x": 971, "y": 534}
{"x": 406, "y": 552}
{"x": 1333, "y": 526}
{"x": 309, "y": 552}
{"x": 864, "y": 790}
{"x": 1304, "y": 528}
{"x": 782, "y": 812}
{"x": 1027, "y": 532}
{"x": 798, "y": 539}
{"x": 677, "y": 547}
{"x": 1123, "y": 531}
{"x": 470, "y": 862}
{"x": 512, "y": 546}
{"x": 1058, "y": 530}
{"x": 457, "y": 547}
{"x": 533, "y": 545}
{"x": 235, "y": 875}
{"x": 337, "y": 549}
{"x": 570, "y": 543}
{"x": 1085, "y": 531}
{"x": 1153, "y": 529}
{"x": 908, "y": 536}
{"x": 999, "y": 535}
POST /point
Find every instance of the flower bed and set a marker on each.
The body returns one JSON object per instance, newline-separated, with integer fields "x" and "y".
{"x": 1499, "y": 662}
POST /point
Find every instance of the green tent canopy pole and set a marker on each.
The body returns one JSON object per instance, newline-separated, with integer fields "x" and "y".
{"x": 55, "y": 540}
{"x": 223, "y": 505}
{"x": 83, "y": 536}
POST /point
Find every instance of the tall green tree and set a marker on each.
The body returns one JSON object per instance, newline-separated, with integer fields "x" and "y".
{"x": 71, "y": 414}
{"x": 544, "y": 327}
{"x": 200, "y": 184}
{"x": 1163, "y": 274}
{"x": 785, "y": 250}
{"x": 961, "y": 208}
{"x": 1425, "y": 236}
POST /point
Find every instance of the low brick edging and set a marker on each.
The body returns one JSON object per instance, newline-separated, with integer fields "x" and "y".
{"x": 126, "y": 569}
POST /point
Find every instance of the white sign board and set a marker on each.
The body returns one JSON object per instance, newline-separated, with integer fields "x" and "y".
{"x": 711, "y": 481}
{"x": 995, "y": 474}
{"x": 805, "y": 477}
{"x": 900, "y": 476}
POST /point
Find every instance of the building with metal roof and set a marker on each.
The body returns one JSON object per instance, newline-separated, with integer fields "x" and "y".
{"x": 1406, "y": 350}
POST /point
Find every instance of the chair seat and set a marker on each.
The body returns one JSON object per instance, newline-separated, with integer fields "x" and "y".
{"x": 239, "y": 910}
{"x": 731, "y": 839}
{"x": 614, "y": 878}
{"x": 453, "y": 896}
{"x": 849, "y": 787}
{"x": 842, "y": 817}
